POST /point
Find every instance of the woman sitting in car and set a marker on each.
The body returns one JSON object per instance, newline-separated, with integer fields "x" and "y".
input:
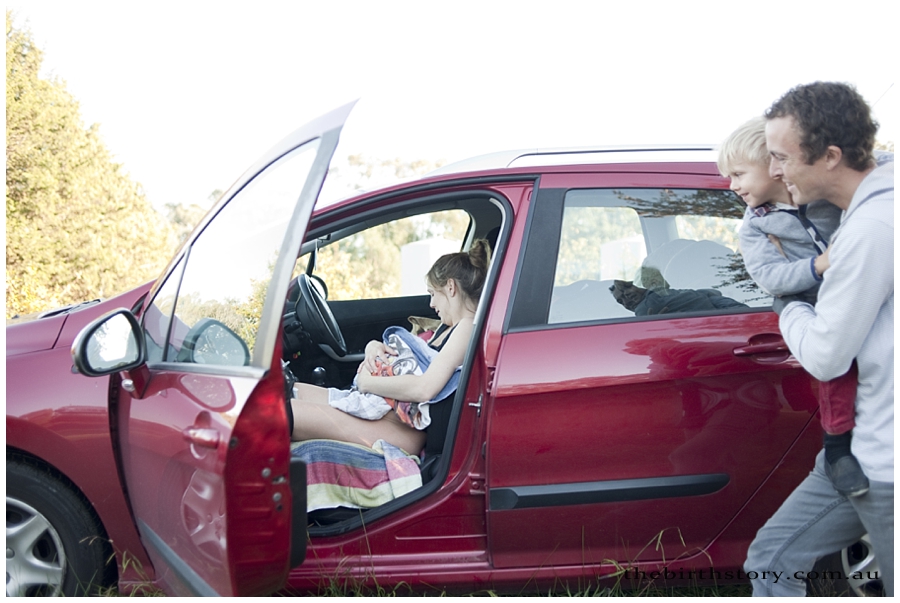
{"x": 455, "y": 282}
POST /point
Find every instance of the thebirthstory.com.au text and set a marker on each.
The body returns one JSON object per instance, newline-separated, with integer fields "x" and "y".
{"x": 728, "y": 575}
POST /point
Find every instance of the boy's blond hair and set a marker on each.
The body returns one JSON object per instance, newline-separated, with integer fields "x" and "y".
{"x": 747, "y": 144}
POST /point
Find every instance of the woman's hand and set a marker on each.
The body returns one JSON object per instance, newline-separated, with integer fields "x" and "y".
{"x": 363, "y": 379}
{"x": 375, "y": 349}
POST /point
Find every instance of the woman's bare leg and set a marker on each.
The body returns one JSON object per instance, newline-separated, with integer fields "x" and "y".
{"x": 315, "y": 419}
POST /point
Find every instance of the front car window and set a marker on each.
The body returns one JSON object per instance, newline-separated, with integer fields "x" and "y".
{"x": 391, "y": 259}
{"x": 229, "y": 269}
{"x": 646, "y": 252}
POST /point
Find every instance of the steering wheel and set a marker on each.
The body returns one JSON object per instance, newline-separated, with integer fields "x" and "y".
{"x": 316, "y": 316}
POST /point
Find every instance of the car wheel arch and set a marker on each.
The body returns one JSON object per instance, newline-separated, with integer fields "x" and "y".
{"x": 63, "y": 452}
{"x": 18, "y": 455}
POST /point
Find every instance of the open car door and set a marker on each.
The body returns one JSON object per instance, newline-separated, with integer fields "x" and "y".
{"x": 198, "y": 416}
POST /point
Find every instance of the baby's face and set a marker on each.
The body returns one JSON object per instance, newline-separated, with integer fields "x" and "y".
{"x": 751, "y": 181}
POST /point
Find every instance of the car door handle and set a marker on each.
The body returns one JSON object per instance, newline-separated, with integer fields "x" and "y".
{"x": 202, "y": 436}
{"x": 761, "y": 348}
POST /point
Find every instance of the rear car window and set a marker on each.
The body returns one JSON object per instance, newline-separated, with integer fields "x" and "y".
{"x": 626, "y": 253}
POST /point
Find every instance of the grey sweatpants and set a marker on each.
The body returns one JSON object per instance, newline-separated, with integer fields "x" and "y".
{"x": 813, "y": 522}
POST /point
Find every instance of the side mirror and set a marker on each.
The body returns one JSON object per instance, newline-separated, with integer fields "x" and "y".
{"x": 112, "y": 343}
{"x": 212, "y": 342}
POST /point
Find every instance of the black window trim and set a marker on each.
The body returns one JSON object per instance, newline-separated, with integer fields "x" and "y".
{"x": 529, "y": 305}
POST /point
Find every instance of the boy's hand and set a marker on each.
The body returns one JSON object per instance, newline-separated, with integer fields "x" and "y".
{"x": 822, "y": 263}
{"x": 777, "y": 243}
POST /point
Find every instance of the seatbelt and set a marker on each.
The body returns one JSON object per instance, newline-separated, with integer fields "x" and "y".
{"x": 817, "y": 239}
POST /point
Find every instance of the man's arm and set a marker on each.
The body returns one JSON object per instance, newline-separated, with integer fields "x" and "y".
{"x": 827, "y": 338}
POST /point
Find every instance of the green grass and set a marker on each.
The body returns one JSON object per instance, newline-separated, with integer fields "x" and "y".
{"x": 646, "y": 590}
{"x": 619, "y": 584}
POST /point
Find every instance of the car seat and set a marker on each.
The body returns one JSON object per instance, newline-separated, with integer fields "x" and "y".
{"x": 585, "y": 300}
{"x": 699, "y": 265}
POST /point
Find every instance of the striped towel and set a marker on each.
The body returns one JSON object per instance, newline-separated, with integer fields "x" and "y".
{"x": 339, "y": 474}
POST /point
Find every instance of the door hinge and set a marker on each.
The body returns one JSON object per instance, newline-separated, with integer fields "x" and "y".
{"x": 491, "y": 372}
{"x": 476, "y": 484}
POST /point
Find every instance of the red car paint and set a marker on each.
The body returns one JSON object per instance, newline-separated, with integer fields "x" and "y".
{"x": 60, "y": 418}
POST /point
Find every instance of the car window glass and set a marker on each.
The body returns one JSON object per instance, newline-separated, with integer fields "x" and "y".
{"x": 628, "y": 253}
{"x": 158, "y": 315}
{"x": 391, "y": 259}
{"x": 230, "y": 264}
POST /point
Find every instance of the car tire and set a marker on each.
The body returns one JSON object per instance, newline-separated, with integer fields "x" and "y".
{"x": 836, "y": 574}
{"x": 54, "y": 542}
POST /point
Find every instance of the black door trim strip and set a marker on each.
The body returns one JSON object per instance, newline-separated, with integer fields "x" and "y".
{"x": 555, "y": 495}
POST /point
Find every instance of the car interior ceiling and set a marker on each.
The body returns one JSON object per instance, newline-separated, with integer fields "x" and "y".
{"x": 486, "y": 220}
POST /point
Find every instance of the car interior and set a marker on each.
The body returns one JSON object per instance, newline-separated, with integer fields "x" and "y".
{"x": 324, "y": 338}
{"x": 679, "y": 263}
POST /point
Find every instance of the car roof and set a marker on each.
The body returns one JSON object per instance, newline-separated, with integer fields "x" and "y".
{"x": 698, "y": 158}
{"x": 523, "y": 158}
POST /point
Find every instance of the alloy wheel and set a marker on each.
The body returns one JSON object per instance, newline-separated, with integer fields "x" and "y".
{"x": 35, "y": 558}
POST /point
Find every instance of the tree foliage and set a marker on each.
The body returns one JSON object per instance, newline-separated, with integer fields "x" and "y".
{"x": 184, "y": 218}
{"x": 353, "y": 174}
{"x": 77, "y": 226}
{"x": 367, "y": 265}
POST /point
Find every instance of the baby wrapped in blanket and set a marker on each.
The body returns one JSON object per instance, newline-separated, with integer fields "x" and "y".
{"x": 413, "y": 358}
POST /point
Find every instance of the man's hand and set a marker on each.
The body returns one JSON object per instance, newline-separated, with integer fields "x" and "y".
{"x": 782, "y": 302}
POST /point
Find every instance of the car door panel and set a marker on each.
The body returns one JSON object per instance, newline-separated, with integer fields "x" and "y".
{"x": 641, "y": 381}
{"x": 640, "y": 412}
{"x": 186, "y": 504}
{"x": 204, "y": 442}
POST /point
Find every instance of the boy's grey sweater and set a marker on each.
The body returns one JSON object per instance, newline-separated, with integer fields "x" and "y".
{"x": 780, "y": 275}
{"x": 775, "y": 273}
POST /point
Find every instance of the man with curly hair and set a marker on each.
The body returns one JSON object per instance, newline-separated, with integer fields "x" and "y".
{"x": 820, "y": 138}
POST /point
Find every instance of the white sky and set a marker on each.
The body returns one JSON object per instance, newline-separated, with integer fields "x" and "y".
{"x": 189, "y": 94}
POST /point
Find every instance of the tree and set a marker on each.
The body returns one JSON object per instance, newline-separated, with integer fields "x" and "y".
{"x": 356, "y": 173}
{"x": 184, "y": 218}
{"x": 77, "y": 226}
{"x": 368, "y": 264}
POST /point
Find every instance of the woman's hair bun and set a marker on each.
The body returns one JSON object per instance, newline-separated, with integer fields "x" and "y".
{"x": 480, "y": 253}
{"x": 467, "y": 268}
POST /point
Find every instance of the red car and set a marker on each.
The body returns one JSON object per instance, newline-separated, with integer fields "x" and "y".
{"x": 626, "y": 400}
